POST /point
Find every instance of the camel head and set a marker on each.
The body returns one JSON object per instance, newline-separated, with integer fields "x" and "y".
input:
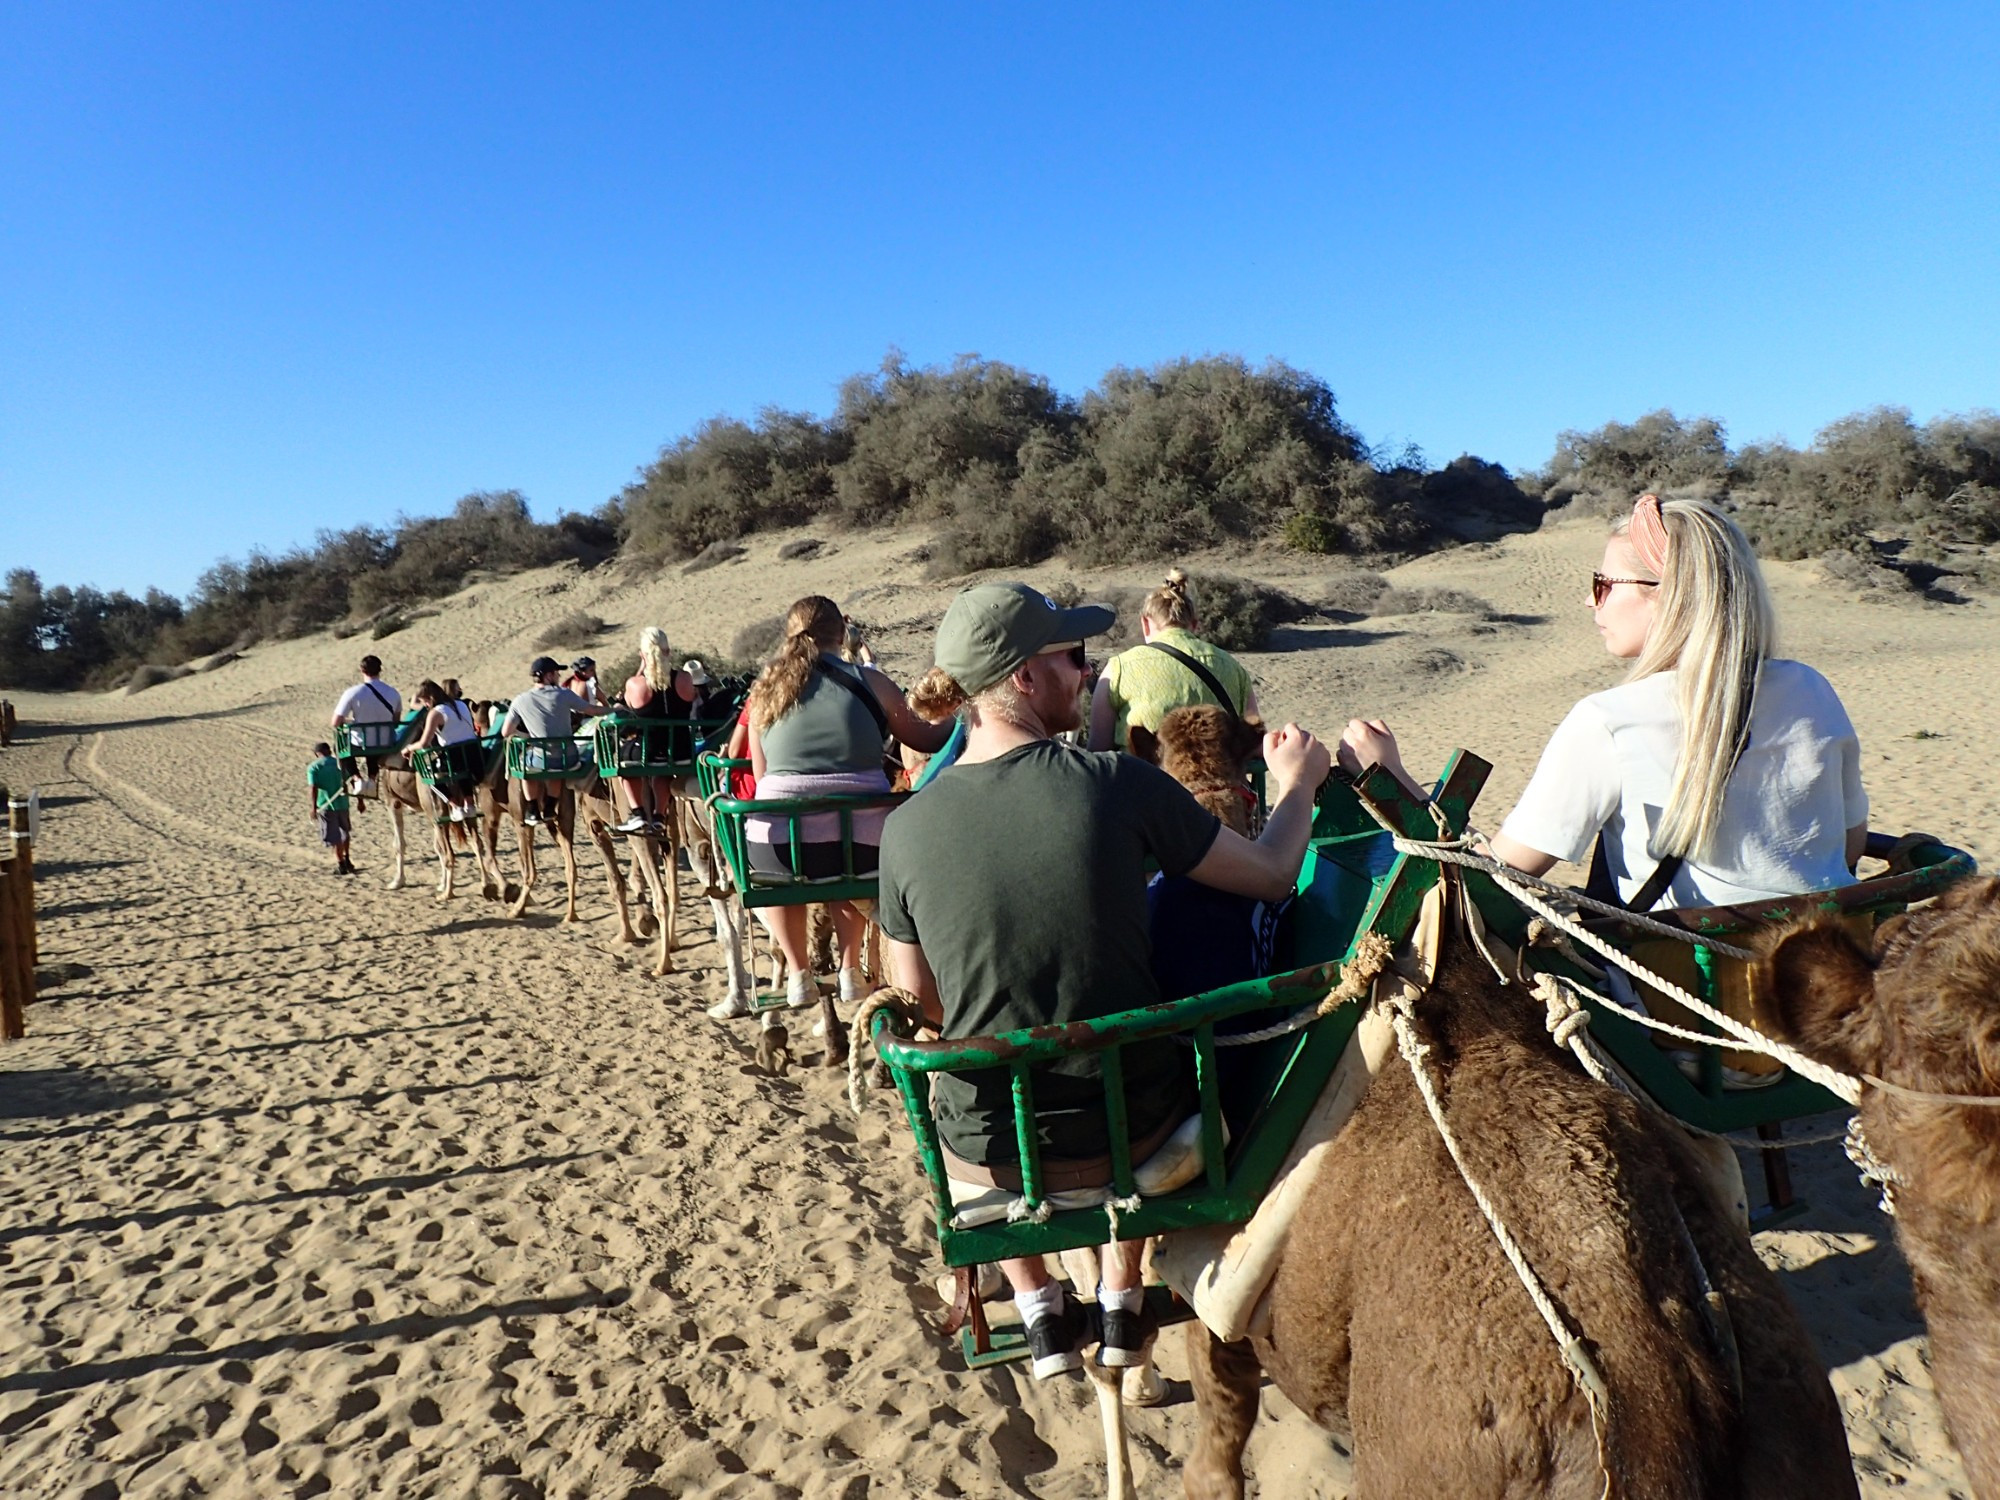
{"x": 1205, "y": 749}
{"x": 1922, "y": 1010}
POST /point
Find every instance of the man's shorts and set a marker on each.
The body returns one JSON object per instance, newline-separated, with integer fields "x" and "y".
{"x": 333, "y": 827}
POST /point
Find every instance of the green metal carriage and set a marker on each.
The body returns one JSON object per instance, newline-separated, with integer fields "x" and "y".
{"x": 627, "y": 745}
{"x": 556, "y": 758}
{"x": 760, "y": 888}
{"x": 356, "y": 740}
{"x": 1354, "y": 881}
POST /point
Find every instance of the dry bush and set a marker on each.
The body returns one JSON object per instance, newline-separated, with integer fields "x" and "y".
{"x": 152, "y": 675}
{"x": 758, "y": 641}
{"x": 709, "y": 556}
{"x": 804, "y": 547}
{"x": 574, "y": 628}
{"x": 1428, "y": 601}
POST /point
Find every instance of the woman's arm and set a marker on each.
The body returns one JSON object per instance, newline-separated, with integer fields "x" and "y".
{"x": 1103, "y": 715}
{"x": 1520, "y": 856}
{"x": 1857, "y": 844}
{"x": 917, "y": 733}
{"x": 433, "y": 729}
{"x": 1370, "y": 742}
{"x": 756, "y": 753}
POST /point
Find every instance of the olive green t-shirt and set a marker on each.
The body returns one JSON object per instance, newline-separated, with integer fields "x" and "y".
{"x": 1024, "y": 881}
{"x": 828, "y": 729}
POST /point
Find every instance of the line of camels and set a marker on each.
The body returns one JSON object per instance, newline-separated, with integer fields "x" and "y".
{"x": 1400, "y": 1329}
{"x": 652, "y": 882}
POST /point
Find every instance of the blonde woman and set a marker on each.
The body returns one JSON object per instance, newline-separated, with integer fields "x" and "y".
{"x": 1174, "y": 668}
{"x": 819, "y": 726}
{"x": 1715, "y": 773}
{"x": 655, "y": 691}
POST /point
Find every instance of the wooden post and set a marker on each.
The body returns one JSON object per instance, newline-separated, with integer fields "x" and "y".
{"x": 22, "y": 827}
{"x": 17, "y": 964}
{"x": 6, "y": 722}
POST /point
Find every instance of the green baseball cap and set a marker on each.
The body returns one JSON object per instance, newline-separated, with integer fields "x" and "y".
{"x": 992, "y": 628}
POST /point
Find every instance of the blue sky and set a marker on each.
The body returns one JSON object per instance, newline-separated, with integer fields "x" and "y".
{"x": 271, "y": 268}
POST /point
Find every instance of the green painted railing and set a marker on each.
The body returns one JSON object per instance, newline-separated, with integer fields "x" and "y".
{"x": 755, "y": 887}
{"x": 1353, "y": 881}
{"x": 555, "y": 759}
{"x": 354, "y": 740}
{"x": 628, "y": 745}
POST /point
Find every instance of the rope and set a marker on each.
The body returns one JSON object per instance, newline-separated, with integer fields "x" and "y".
{"x": 1416, "y": 1052}
{"x": 1517, "y": 885}
{"x": 1113, "y": 1207}
{"x": 901, "y": 1004}
{"x": 1874, "y": 1171}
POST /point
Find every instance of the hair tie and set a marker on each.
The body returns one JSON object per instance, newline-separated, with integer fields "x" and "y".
{"x": 1648, "y": 534}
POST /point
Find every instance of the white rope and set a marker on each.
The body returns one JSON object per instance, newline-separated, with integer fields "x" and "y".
{"x": 1018, "y": 1212}
{"x": 1875, "y": 1172}
{"x": 1511, "y": 880}
{"x": 1416, "y": 1052}
{"x": 1298, "y": 1021}
{"x": 1113, "y": 1207}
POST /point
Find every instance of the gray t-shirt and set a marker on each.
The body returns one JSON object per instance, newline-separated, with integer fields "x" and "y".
{"x": 828, "y": 729}
{"x": 543, "y": 712}
{"x": 1024, "y": 881}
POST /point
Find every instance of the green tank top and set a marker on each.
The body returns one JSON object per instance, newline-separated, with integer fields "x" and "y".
{"x": 828, "y": 729}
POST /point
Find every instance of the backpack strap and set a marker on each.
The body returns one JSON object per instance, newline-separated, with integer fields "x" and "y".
{"x": 856, "y": 684}
{"x": 379, "y": 698}
{"x": 1207, "y": 677}
{"x": 1604, "y": 888}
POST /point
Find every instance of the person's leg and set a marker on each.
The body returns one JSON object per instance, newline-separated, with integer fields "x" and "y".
{"x": 1121, "y": 1301}
{"x": 1055, "y": 1325}
{"x": 850, "y": 926}
{"x": 788, "y": 927}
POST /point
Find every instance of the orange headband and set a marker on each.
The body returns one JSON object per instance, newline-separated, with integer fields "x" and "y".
{"x": 1648, "y": 535}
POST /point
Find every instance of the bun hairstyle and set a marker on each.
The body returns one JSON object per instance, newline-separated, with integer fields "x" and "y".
{"x": 1714, "y": 628}
{"x": 1171, "y": 605}
{"x": 936, "y": 696}
{"x": 813, "y": 625}
{"x": 653, "y": 650}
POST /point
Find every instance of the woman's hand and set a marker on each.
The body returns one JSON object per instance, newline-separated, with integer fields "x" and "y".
{"x": 1295, "y": 759}
{"x": 1370, "y": 742}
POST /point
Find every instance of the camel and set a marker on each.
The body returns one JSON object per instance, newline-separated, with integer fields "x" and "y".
{"x": 1396, "y": 1319}
{"x": 399, "y": 790}
{"x": 1921, "y": 1010}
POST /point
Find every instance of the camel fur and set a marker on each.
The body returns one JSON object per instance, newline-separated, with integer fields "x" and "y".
{"x": 1921, "y": 1009}
{"x": 1396, "y": 1320}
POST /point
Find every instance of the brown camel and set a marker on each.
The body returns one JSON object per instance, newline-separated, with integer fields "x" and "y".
{"x": 1921, "y": 1010}
{"x": 600, "y": 807}
{"x": 1397, "y": 1320}
{"x": 400, "y": 790}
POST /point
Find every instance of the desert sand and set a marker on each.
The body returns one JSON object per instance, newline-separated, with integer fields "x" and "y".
{"x": 317, "y": 1188}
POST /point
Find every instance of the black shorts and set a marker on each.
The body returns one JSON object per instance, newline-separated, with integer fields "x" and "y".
{"x": 818, "y": 861}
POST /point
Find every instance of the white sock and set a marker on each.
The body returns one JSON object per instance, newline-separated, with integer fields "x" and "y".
{"x": 1129, "y": 1299}
{"x": 1039, "y": 1306}
{"x": 852, "y": 986}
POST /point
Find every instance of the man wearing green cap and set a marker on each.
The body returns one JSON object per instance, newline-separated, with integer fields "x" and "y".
{"x": 1013, "y": 895}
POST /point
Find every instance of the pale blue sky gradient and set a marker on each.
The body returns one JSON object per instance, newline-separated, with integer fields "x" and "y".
{"x": 271, "y": 268}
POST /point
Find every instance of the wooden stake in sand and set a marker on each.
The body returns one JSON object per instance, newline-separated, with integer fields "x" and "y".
{"x": 17, "y": 922}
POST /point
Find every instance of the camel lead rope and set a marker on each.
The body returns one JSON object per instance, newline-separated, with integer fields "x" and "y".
{"x": 1576, "y": 1358}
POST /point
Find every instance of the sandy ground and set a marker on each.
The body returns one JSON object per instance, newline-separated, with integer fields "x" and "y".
{"x": 316, "y": 1188}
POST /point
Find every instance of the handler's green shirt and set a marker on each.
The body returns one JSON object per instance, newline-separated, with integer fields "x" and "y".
{"x": 1024, "y": 881}
{"x": 329, "y": 786}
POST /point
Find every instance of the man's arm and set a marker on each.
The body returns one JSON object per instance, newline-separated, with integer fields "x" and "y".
{"x": 912, "y": 971}
{"x": 1103, "y": 716}
{"x": 1269, "y": 868}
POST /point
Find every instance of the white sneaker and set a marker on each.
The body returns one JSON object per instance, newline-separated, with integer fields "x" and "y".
{"x": 633, "y": 824}
{"x": 853, "y": 988}
{"x": 729, "y": 1008}
{"x": 458, "y": 814}
{"x": 800, "y": 991}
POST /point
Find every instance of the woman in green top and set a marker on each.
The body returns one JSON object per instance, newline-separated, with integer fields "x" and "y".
{"x": 1142, "y": 686}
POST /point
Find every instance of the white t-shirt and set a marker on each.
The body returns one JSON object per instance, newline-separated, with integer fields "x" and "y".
{"x": 1785, "y": 814}
{"x": 458, "y": 726}
{"x": 360, "y": 705}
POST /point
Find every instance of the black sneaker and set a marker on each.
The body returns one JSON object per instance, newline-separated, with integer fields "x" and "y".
{"x": 1126, "y": 1335}
{"x": 1057, "y": 1342}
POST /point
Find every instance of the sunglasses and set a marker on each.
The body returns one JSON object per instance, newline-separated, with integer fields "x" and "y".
{"x": 1600, "y": 586}
{"x": 1075, "y": 653}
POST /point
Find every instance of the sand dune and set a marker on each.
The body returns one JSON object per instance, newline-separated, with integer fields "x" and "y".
{"x": 316, "y": 1188}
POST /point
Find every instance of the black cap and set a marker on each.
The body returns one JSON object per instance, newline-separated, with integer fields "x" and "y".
{"x": 542, "y": 664}
{"x": 584, "y": 661}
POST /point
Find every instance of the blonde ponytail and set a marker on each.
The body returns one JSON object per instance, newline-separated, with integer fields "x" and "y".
{"x": 812, "y": 625}
{"x": 1171, "y": 605}
{"x": 653, "y": 650}
{"x": 1715, "y": 629}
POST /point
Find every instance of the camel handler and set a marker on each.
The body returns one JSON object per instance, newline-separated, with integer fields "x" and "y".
{"x": 546, "y": 711}
{"x": 369, "y": 701}
{"x": 329, "y": 805}
{"x": 1013, "y": 894}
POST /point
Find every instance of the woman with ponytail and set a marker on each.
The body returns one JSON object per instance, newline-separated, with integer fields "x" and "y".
{"x": 1174, "y": 668}
{"x": 655, "y": 691}
{"x": 819, "y": 727}
{"x": 1715, "y": 773}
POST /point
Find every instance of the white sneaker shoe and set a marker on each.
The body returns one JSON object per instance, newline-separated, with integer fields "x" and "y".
{"x": 729, "y": 1008}
{"x": 853, "y": 988}
{"x": 800, "y": 991}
